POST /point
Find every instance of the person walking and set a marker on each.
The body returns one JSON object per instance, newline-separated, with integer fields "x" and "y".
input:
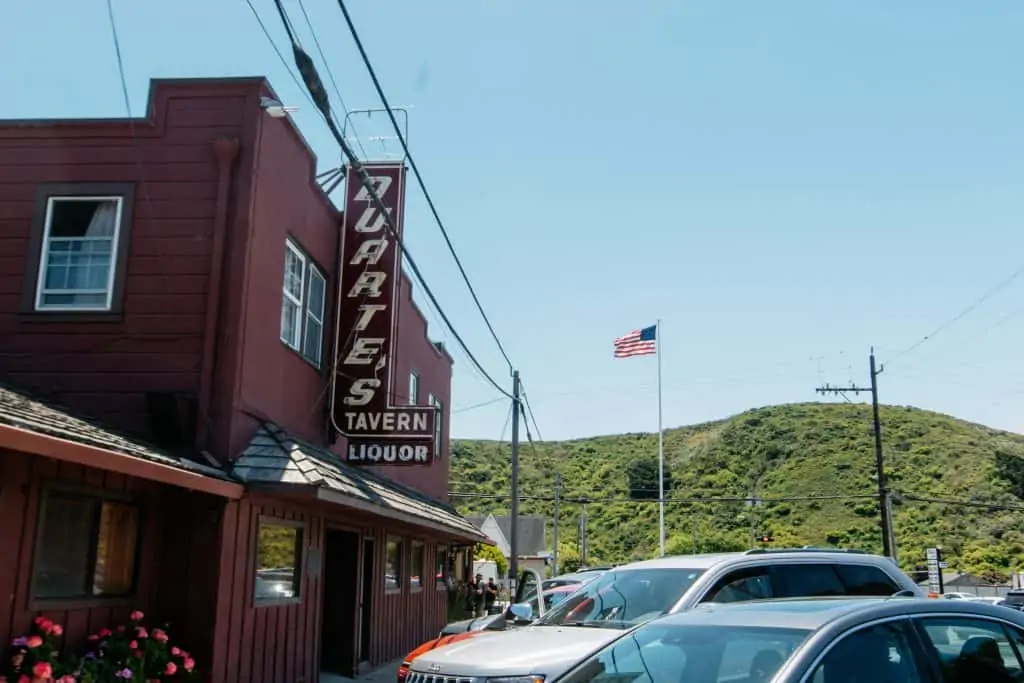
{"x": 490, "y": 595}
{"x": 475, "y": 597}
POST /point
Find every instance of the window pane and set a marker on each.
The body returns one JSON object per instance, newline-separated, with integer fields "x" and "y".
{"x": 865, "y": 580}
{"x": 290, "y": 323}
{"x": 316, "y": 295}
{"x": 294, "y": 273}
{"x": 414, "y": 388}
{"x": 393, "y": 564}
{"x": 972, "y": 649}
{"x": 279, "y": 551}
{"x": 82, "y": 217}
{"x": 83, "y": 300}
{"x": 441, "y": 565}
{"x": 745, "y": 584}
{"x": 416, "y": 565}
{"x": 879, "y": 653}
{"x": 808, "y": 580}
{"x": 681, "y": 654}
{"x": 116, "y": 544}
{"x": 312, "y": 345}
{"x": 65, "y": 545}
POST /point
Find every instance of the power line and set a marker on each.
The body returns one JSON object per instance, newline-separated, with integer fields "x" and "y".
{"x": 692, "y": 501}
{"x": 310, "y": 76}
{"x": 474, "y": 406}
{"x": 419, "y": 177}
{"x": 957, "y": 502}
{"x": 330, "y": 75}
{"x": 956, "y": 318}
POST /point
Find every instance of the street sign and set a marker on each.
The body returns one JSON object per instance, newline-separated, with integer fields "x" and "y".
{"x": 935, "y": 566}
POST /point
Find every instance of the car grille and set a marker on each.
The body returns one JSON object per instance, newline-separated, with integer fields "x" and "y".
{"x": 418, "y": 677}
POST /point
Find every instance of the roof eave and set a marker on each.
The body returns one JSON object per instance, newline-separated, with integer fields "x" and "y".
{"x": 27, "y": 441}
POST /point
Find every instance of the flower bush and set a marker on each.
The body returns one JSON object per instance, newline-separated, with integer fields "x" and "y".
{"x": 129, "y": 654}
{"x": 35, "y": 657}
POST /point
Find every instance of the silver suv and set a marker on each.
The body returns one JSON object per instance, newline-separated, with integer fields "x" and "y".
{"x": 634, "y": 593}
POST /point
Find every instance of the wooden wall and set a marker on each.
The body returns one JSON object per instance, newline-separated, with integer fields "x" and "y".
{"x": 184, "y": 603}
{"x": 281, "y": 643}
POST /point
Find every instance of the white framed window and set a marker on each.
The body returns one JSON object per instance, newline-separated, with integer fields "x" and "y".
{"x": 313, "y": 340}
{"x": 414, "y": 388}
{"x": 303, "y": 303}
{"x": 438, "y": 423}
{"x": 78, "y": 258}
{"x": 294, "y": 289}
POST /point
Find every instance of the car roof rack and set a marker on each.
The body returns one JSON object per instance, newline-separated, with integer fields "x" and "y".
{"x": 804, "y": 549}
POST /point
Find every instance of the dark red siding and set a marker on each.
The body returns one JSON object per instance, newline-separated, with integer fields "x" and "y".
{"x": 172, "y": 585}
{"x": 281, "y": 644}
{"x": 104, "y": 367}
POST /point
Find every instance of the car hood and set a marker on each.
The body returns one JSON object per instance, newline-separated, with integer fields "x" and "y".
{"x": 475, "y": 624}
{"x": 546, "y": 650}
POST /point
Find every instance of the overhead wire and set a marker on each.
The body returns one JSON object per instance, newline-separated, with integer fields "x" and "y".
{"x": 1003, "y": 284}
{"x": 330, "y": 76}
{"x": 308, "y": 71}
{"x": 419, "y": 178}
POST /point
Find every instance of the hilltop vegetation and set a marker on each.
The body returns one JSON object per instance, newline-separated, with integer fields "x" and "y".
{"x": 776, "y": 452}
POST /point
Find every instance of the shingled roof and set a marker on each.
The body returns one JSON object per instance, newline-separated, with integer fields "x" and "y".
{"x": 273, "y": 457}
{"x": 18, "y": 409}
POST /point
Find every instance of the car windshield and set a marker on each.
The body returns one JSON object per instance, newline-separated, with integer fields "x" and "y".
{"x": 622, "y": 599}
{"x": 664, "y": 653}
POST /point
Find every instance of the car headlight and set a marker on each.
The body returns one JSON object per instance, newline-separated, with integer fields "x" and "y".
{"x": 531, "y": 678}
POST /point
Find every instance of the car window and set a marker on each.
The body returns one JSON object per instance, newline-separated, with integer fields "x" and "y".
{"x": 871, "y": 655}
{"x": 808, "y": 580}
{"x": 621, "y": 599}
{"x": 752, "y": 583}
{"x": 973, "y": 649}
{"x": 659, "y": 653}
{"x": 863, "y": 579}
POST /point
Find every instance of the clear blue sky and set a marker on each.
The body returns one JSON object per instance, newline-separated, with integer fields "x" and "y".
{"x": 783, "y": 183}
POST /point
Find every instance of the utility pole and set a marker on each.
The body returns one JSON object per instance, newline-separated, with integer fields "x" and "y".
{"x": 583, "y": 532}
{"x": 513, "y": 562}
{"x": 558, "y": 496}
{"x": 884, "y": 511}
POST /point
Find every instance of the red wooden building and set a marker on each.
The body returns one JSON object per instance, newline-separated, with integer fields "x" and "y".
{"x": 167, "y": 313}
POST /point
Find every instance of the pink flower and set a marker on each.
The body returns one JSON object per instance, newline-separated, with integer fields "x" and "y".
{"x": 176, "y": 651}
{"x": 142, "y": 633}
{"x": 67, "y": 678}
{"x": 42, "y": 670}
{"x": 170, "y": 669}
{"x": 24, "y": 679}
{"x": 136, "y": 615}
{"x": 159, "y": 635}
{"x": 33, "y": 641}
{"x": 133, "y": 645}
{"x": 93, "y": 637}
{"x": 105, "y": 633}
{"x": 57, "y": 630}
{"x": 189, "y": 664}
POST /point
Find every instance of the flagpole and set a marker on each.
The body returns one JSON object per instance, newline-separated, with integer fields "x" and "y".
{"x": 661, "y": 446}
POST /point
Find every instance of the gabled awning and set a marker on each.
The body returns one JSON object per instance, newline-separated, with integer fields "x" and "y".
{"x": 277, "y": 461}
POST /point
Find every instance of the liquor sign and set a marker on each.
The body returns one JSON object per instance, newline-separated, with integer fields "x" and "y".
{"x": 379, "y": 427}
{"x": 934, "y": 562}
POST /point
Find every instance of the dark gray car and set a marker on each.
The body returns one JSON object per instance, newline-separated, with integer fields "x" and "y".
{"x": 818, "y": 640}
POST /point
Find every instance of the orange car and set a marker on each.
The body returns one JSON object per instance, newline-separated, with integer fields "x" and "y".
{"x": 403, "y": 669}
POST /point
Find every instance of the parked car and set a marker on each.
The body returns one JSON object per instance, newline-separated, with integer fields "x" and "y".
{"x": 573, "y": 578}
{"x": 632, "y": 594}
{"x": 821, "y": 640}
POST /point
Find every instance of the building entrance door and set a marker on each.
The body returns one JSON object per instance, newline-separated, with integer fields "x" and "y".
{"x": 340, "y": 592}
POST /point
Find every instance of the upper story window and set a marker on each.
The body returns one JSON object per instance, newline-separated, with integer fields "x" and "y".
{"x": 438, "y": 423}
{"x": 414, "y": 388}
{"x": 79, "y": 248}
{"x": 302, "y": 305}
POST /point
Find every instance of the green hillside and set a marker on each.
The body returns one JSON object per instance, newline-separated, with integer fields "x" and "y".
{"x": 786, "y": 451}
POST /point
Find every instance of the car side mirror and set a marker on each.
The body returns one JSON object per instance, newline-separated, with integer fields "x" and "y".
{"x": 521, "y": 611}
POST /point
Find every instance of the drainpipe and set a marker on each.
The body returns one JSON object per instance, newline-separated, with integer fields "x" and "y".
{"x": 226, "y": 151}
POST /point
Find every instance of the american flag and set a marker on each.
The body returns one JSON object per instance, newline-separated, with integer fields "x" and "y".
{"x": 637, "y": 343}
